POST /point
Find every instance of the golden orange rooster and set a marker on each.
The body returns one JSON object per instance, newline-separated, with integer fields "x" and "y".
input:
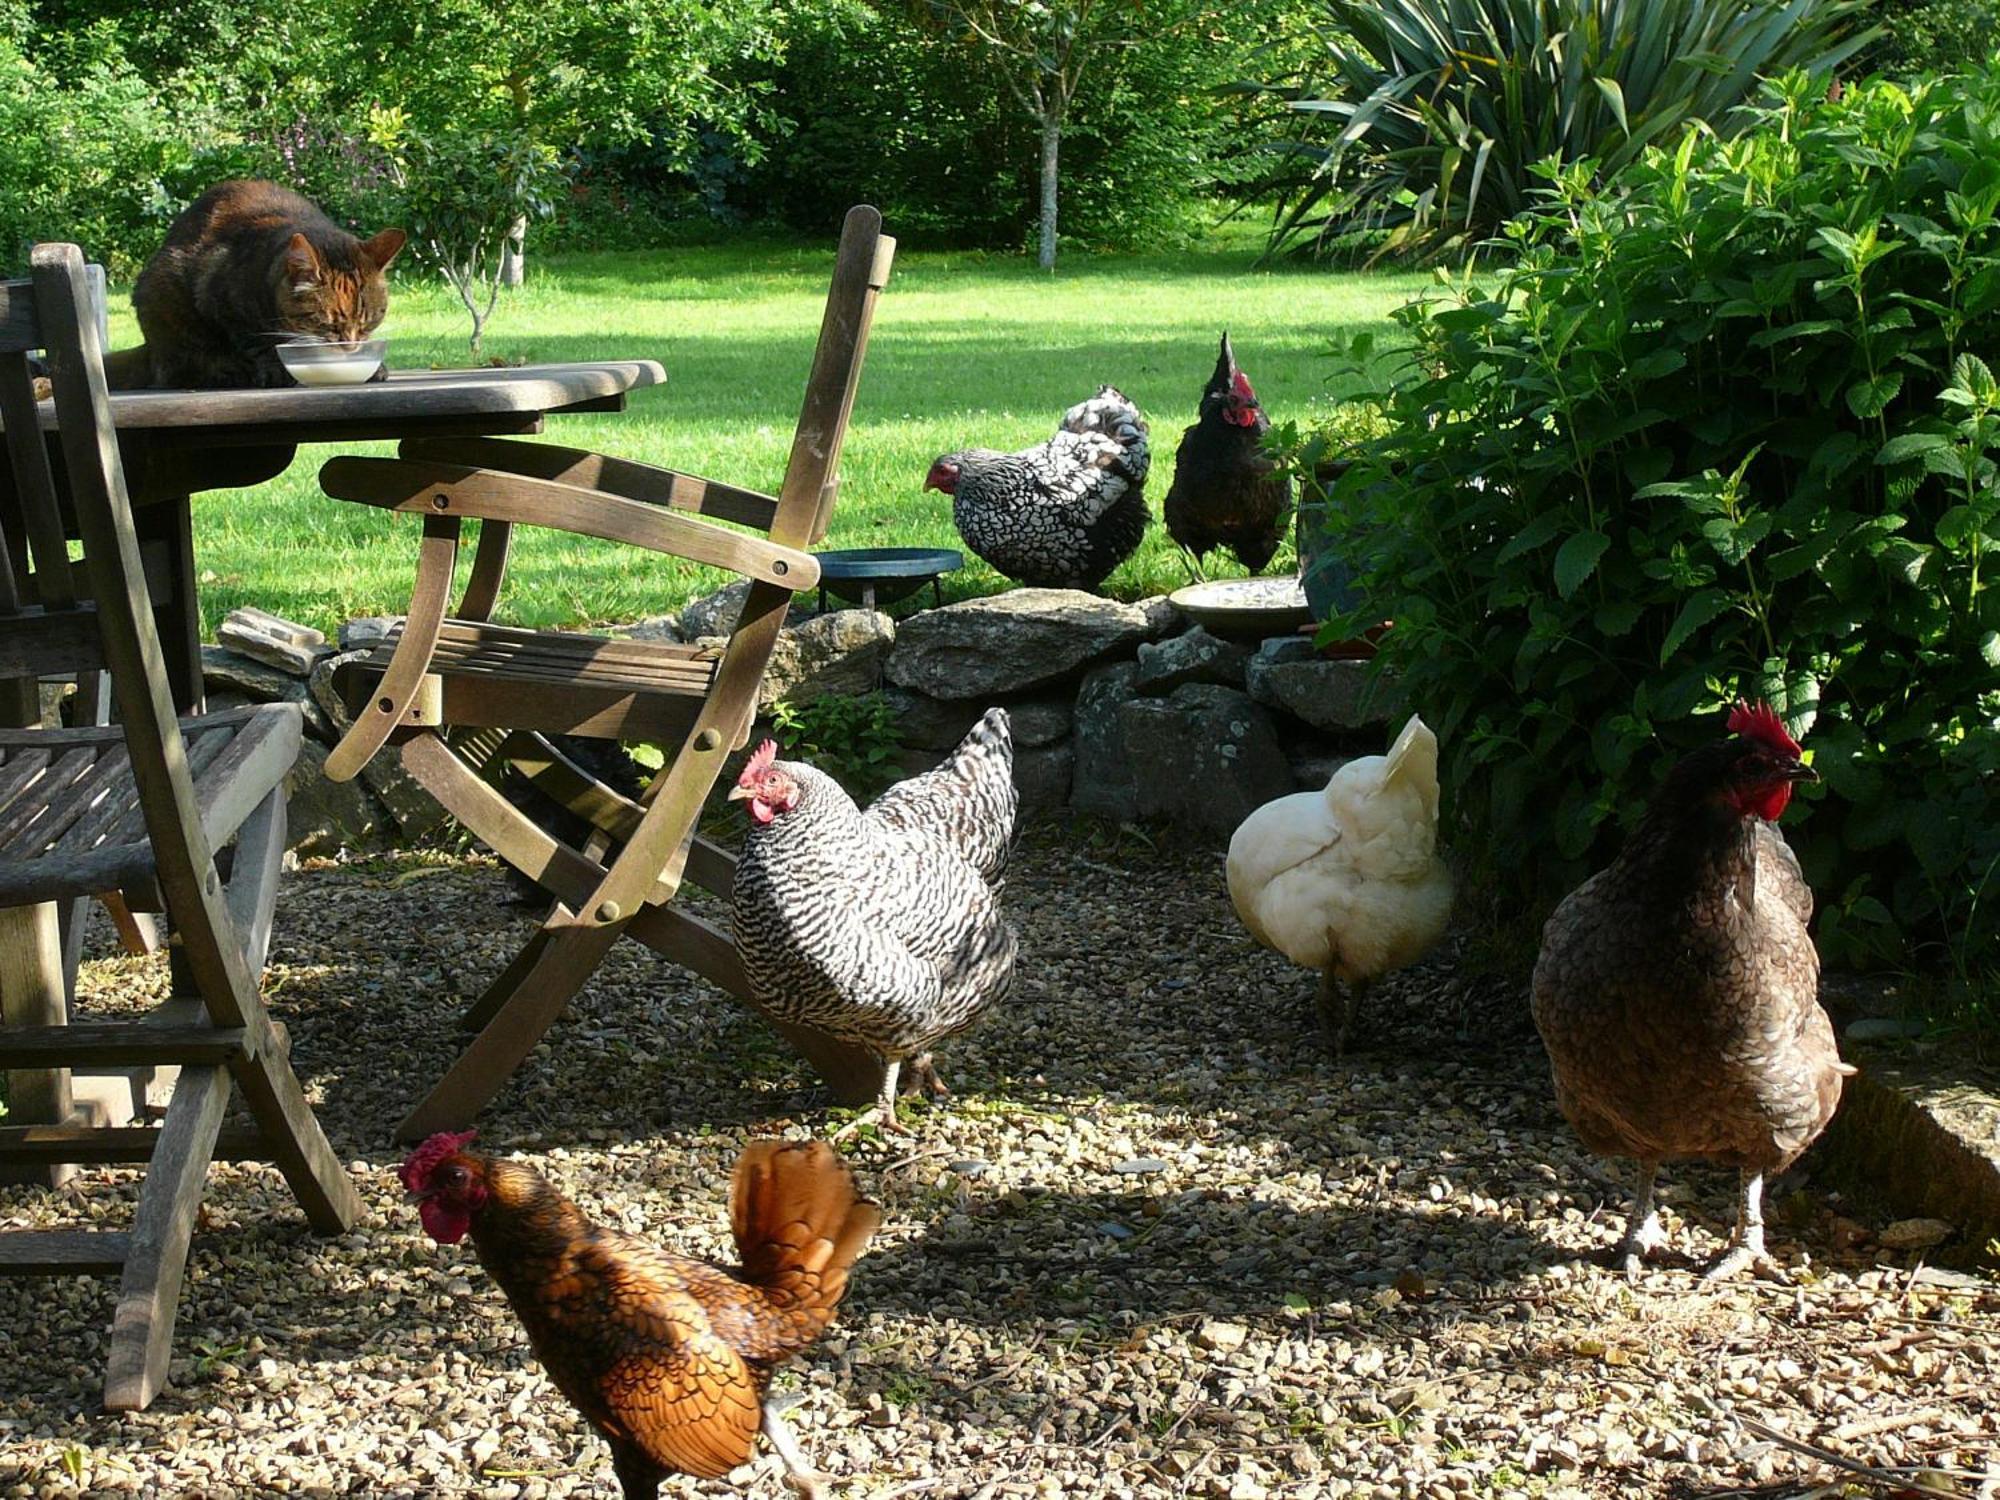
{"x": 668, "y": 1358}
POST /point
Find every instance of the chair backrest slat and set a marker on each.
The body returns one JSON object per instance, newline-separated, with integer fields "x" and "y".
{"x": 805, "y": 501}
{"x": 20, "y": 322}
{"x": 67, "y": 300}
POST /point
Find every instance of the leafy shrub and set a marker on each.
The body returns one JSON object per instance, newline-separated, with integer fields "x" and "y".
{"x": 1722, "y": 429}
{"x": 1938, "y": 36}
{"x": 854, "y": 740}
{"x": 89, "y": 152}
{"x": 1438, "y": 109}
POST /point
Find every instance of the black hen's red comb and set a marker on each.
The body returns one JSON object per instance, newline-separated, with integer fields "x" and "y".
{"x": 416, "y": 1171}
{"x": 1758, "y": 721}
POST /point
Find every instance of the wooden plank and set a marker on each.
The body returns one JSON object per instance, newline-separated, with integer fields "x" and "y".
{"x": 70, "y": 766}
{"x": 252, "y": 894}
{"x": 123, "y": 1144}
{"x": 32, "y": 994}
{"x": 99, "y": 734}
{"x": 426, "y": 488}
{"x": 318, "y": 413}
{"x": 612, "y": 713}
{"x": 63, "y": 1252}
{"x": 142, "y": 1328}
{"x": 391, "y": 698}
{"x": 41, "y": 643}
{"x": 597, "y": 471}
{"x": 489, "y": 571}
{"x": 20, "y": 328}
{"x": 112, "y": 1044}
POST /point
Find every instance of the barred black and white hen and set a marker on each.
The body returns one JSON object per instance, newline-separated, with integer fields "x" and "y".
{"x": 1063, "y": 513}
{"x": 882, "y": 927}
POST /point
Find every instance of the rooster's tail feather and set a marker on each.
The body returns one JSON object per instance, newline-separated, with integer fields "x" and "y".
{"x": 800, "y": 1225}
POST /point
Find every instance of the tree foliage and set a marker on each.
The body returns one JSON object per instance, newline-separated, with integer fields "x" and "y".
{"x": 1426, "y": 118}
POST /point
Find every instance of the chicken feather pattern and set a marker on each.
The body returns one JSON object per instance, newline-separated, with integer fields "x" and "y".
{"x": 883, "y": 927}
{"x": 1067, "y": 511}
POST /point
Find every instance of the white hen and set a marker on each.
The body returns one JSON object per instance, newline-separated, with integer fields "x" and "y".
{"x": 1348, "y": 880}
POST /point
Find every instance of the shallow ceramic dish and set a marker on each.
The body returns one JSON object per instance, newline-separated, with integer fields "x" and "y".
{"x": 1244, "y": 606}
{"x": 882, "y": 575}
{"x": 333, "y": 364}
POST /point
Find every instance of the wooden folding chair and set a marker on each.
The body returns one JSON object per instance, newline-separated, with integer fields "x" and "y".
{"x": 468, "y": 700}
{"x": 137, "y": 810}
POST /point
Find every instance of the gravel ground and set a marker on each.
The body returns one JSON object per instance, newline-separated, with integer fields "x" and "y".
{"x": 1156, "y": 1245}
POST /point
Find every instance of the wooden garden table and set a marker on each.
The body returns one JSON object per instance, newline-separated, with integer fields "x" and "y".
{"x": 176, "y": 444}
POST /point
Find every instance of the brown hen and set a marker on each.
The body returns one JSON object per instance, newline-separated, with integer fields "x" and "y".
{"x": 1677, "y": 989}
{"x": 668, "y": 1358}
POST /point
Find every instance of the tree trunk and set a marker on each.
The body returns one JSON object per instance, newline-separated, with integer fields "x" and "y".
{"x": 1051, "y": 147}
{"x": 514, "y": 258}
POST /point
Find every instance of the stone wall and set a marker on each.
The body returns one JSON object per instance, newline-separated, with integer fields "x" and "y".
{"x": 1123, "y": 711}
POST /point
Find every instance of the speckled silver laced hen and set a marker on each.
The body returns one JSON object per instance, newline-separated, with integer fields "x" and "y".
{"x": 882, "y": 927}
{"x": 1677, "y": 989}
{"x": 1063, "y": 513}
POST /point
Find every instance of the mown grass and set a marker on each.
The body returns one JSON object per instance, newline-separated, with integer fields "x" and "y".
{"x": 969, "y": 349}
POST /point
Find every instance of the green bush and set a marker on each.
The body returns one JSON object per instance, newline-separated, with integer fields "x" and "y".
{"x": 89, "y": 152}
{"x": 1423, "y": 119}
{"x": 1722, "y": 429}
{"x": 1938, "y": 36}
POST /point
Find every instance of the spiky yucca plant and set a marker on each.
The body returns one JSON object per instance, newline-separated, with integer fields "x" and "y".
{"x": 1439, "y": 109}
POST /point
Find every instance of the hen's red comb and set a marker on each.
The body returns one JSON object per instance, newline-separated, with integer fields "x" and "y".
{"x": 758, "y": 763}
{"x": 416, "y": 1171}
{"x": 1757, "y": 721}
{"x": 1240, "y": 384}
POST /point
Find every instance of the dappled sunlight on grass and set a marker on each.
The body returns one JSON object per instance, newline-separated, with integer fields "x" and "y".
{"x": 969, "y": 349}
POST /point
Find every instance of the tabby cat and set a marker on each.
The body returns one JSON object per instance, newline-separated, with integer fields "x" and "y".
{"x": 247, "y": 266}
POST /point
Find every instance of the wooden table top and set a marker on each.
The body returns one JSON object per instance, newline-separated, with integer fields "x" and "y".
{"x": 299, "y": 413}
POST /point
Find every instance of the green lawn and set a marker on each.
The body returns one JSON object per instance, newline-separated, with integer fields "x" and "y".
{"x": 969, "y": 349}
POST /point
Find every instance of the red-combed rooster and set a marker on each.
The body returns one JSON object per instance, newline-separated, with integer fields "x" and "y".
{"x": 1677, "y": 989}
{"x": 668, "y": 1358}
{"x": 1226, "y": 490}
{"x": 880, "y": 927}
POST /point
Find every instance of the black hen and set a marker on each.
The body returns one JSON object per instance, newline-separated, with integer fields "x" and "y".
{"x": 1225, "y": 491}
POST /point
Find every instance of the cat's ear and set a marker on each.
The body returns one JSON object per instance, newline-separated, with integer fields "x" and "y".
{"x": 302, "y": 263}
{"x": 382, "y": 249}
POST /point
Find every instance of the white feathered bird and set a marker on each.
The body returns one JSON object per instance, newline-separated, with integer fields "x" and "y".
{"x": 1347, "y": 880}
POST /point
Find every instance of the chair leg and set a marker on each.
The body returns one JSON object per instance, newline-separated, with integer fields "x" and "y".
{"x": 298, "y": 1146}
{"x": 252, "y": 894}
{"x": 501, "y": 990}
{"x": 33, "y": 993}
{"x": 142, "y": 1329}
{"x": 565, "y": 961}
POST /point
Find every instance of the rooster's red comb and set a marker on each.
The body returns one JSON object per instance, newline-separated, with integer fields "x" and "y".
{"x": 1239, "y": 383}
{"x": 758, "y": 763}
{"x": 416, "y": 1171}
{"x": 1758, "y": 721}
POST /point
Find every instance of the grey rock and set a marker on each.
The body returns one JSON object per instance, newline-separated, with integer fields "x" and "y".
{"x": 1311, "y": 773}
{"x": 227, "y": 671}
{"x": 834, "y": 655}
{"x": 1043, "y": 778}
{"x": 1203, "y": 759}
{"x": 1139, "y": 1166}
{"x": 416, "y": 812}
{"x": 927, "y": 723}
{"x": 322, "y": 816}
{"x": 367, "y": 630}
{"x": 1040, "y": 722}
{"x": 1103, "y": 782}
{"x": 653, "y": 628}
{"x": 715, "y": 614}
{"x": 1015, "y": 642}
{"x": 1884, "y": 1028}
{"x": 1195, "y": 656}
{"x": 272, "y": 640}
{"x": 1328, "y": 695}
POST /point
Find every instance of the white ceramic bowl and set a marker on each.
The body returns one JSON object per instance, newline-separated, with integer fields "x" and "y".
{"x": 331, "y": 363}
